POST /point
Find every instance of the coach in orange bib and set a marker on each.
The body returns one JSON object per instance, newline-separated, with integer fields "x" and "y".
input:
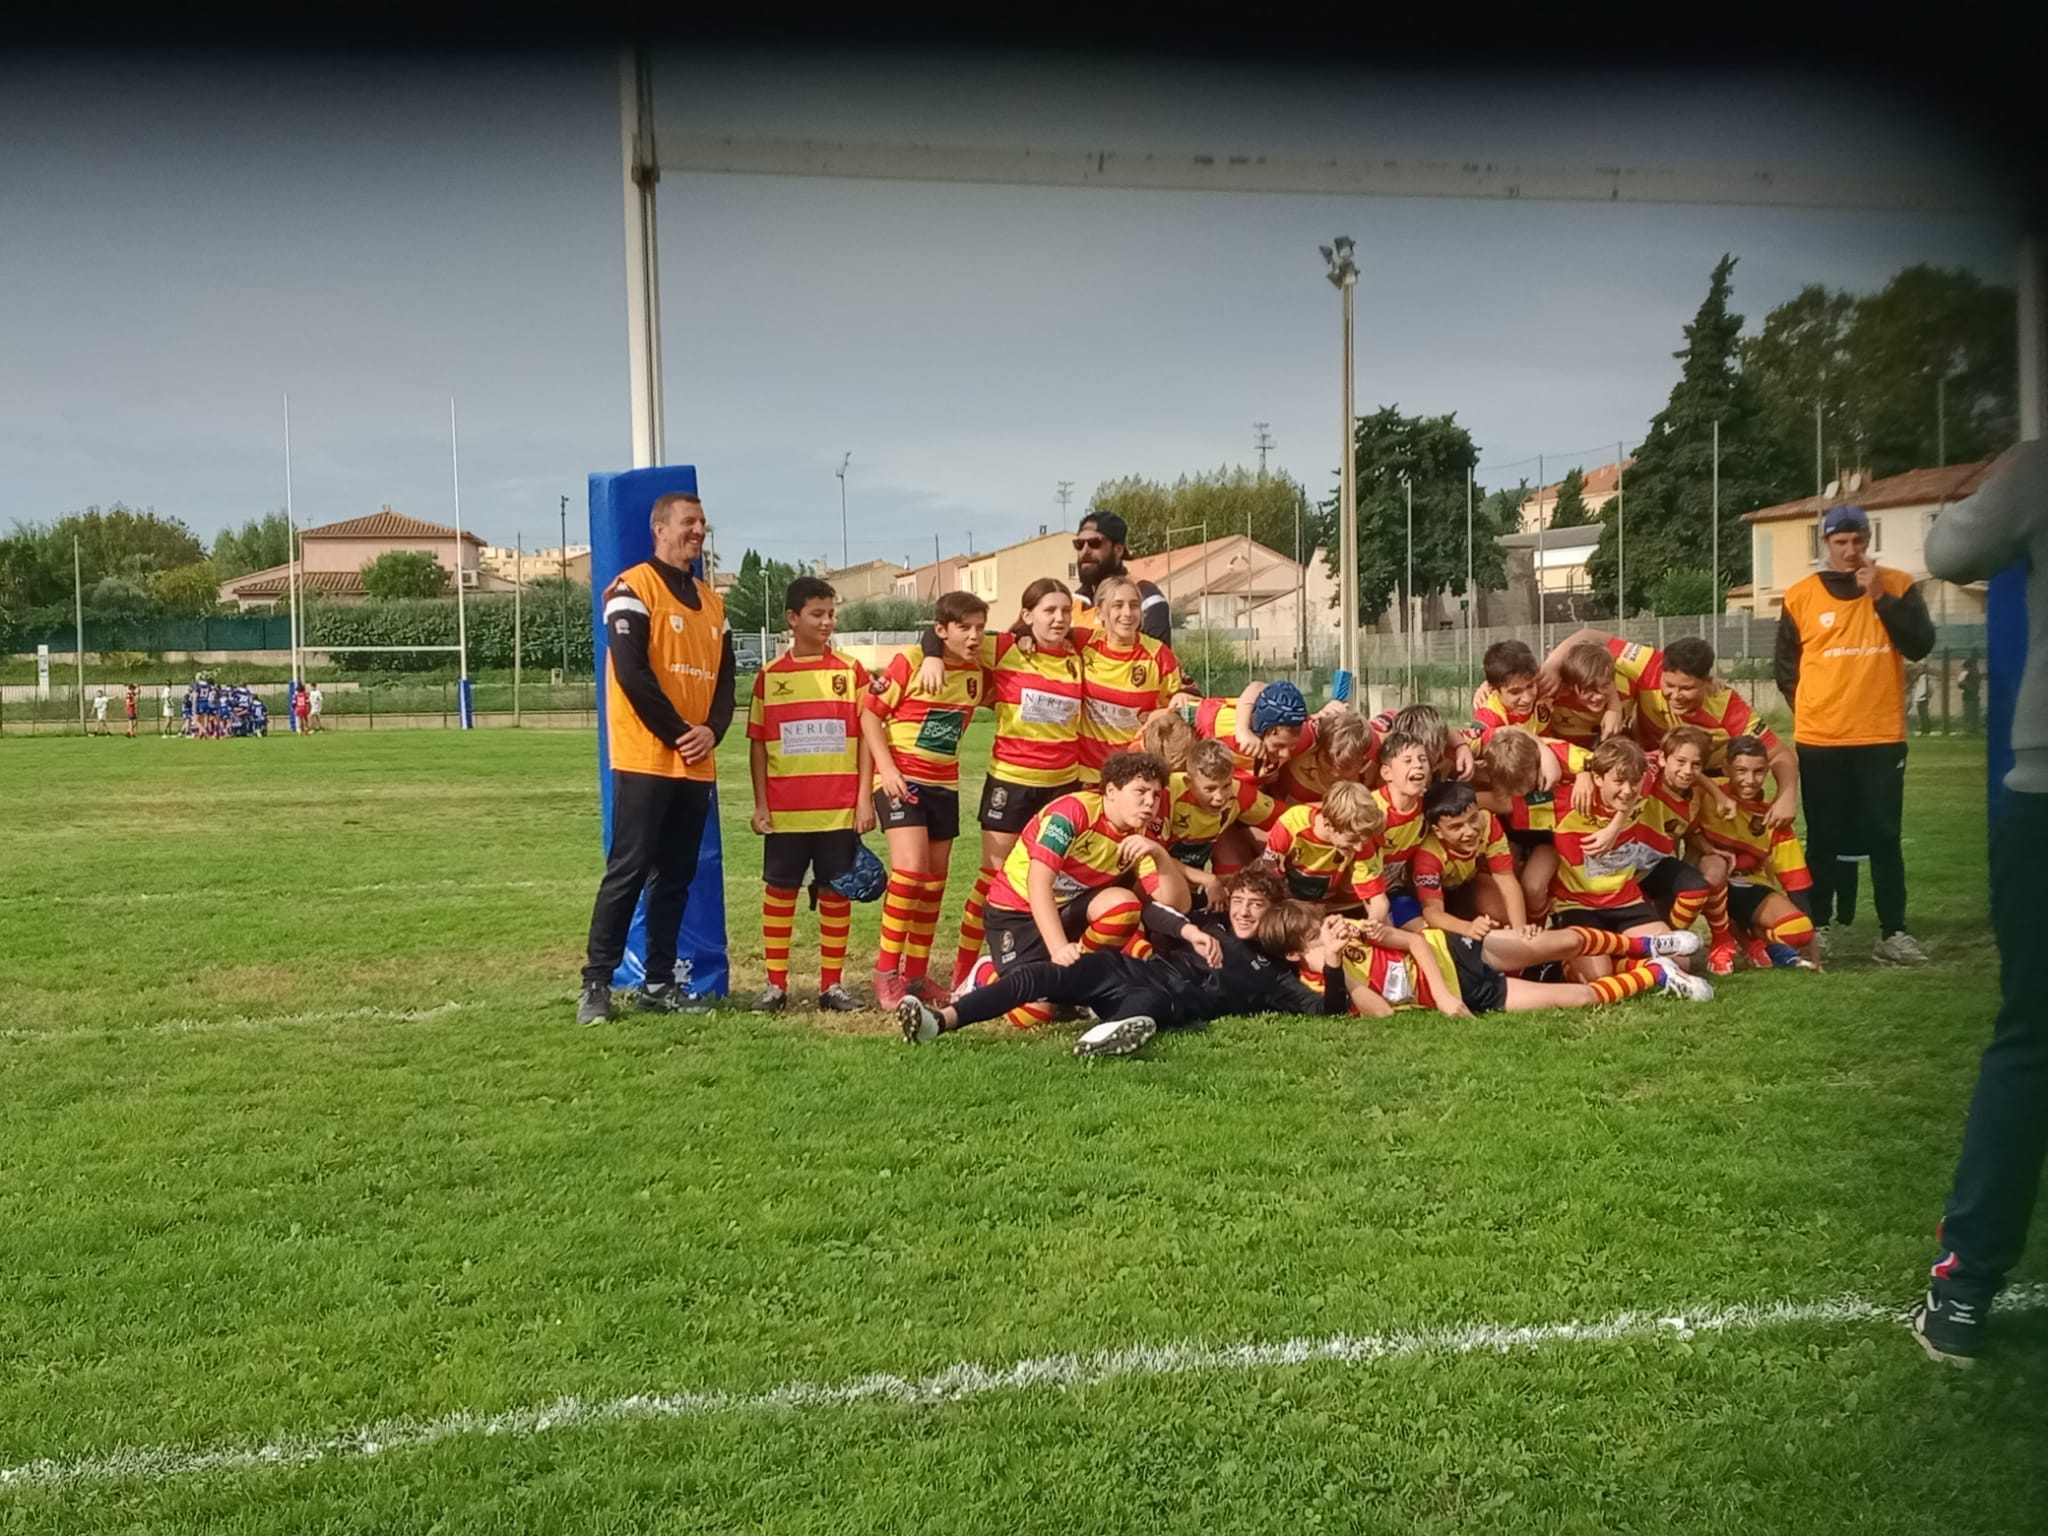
{"x": 1844, "y": 639}
{"x": 668, "y": 700}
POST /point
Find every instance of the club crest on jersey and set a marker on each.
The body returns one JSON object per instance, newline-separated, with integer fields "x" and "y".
{"x": 839, "y": 684}
{"x": 974, "y": 687}
{"x": 675, "y": 622}
{"x": 1138, "y": 675}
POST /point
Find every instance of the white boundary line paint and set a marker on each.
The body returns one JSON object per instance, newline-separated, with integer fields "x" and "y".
{"x": 239, "y": 893}
{"x": 956, "y": 1383}
{"x": 242, "y": 1021}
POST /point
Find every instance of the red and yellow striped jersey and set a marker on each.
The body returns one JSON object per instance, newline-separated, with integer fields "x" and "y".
{"x": 1664, "y": 816}
{"x": 1393, "y": 973}
{"x": 1723, "y": 714}
{"x": 1403, "y": 835}
{"x": 1189, "y": 830}
{"x": 1037, "y": 699}
{"x": 1537, "y": 810}
{"x": 1306, "y": 777}
{"x": 1216, "y": 720}
{"x": 1118, "y": 689}
{"x": 1074, "y": 839}
{"x": 806, "y": 711}
{"x": 1763, "y": 856}
{"x": 1434, "y": 869}
{"x": 1581, "y": 726}
{"x": 924, "y": 729}
{"x": 1314, "y": 869}
{"x": 1493, "y": 713}
{"x": 1587, "y": 879}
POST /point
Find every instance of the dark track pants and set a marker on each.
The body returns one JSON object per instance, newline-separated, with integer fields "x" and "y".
{"x": 1999, "y": 1172}
{"x": 1855, "y": 800}
{"x": 657, "y": 828}
{"x": 1106, "y": 980}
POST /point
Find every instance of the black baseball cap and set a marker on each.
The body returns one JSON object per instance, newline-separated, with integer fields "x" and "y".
{"x": 1109, "y": 525}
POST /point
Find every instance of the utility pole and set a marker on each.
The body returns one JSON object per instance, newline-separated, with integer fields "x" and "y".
{"x": 1343, "y": 276}
{"x": 1716, "y": 609}
{"x": 1262, "y": 440}
{"x": 843, "y": 560}
{"x": 564, "y": 553}
{"x": 1064, "y": 496}
{"x": 518, "y": 634}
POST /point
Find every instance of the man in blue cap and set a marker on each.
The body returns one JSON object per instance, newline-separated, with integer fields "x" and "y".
{"x": 1844, "y": 638}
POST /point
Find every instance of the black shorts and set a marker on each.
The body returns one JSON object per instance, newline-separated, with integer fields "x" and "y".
{"x": 1609, "y": 919}
{"x": 787, "y": 856}
{"x": 1014, "y": 939}
{"x": 936, "y": 810}
{"x": 1007, "y": 807}
{"x": 1529, "y": 839}
{"x": 1667, "y": 877}
{"x": 1744, "y": 900}
{"x": 1484, "y": 989}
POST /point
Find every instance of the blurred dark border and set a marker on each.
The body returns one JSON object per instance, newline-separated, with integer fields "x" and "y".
{"x": 1977, "y": 73}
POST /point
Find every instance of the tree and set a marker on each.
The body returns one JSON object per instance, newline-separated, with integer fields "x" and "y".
{"x": 188, "y": 591}
{"x": 757, "y": 594}
{"x": 1570, "y": 511}
{"x": 402, "y": 573}
{"x": 1669, "y": 491}
{"x": 1873, "y": 363}
{"x": 259, "y": 544}
{"x": 1683, "y": 590}
{"x": 1437, "y": 455}
{"x": 1220, "y": 502}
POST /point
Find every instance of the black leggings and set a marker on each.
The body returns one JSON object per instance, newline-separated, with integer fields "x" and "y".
{"x": 657, "y": 828}
{"x": 1855, "y": 799}
{"x": 1106, "y": 980}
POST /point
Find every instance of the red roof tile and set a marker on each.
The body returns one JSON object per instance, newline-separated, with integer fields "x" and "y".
{"x": 386, "y": 524}
{"x": 1914, "y": 488}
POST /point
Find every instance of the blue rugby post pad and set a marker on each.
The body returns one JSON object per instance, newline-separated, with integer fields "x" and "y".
{"x": 619, "y": 538}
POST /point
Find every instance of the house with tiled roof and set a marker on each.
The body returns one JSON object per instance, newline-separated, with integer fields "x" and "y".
{"x": 332, "y": 558}
{"x": 1600, "y": 486}
{"x": 1784, "y": 540}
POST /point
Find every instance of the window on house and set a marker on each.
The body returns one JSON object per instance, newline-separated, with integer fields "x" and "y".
{"x": 1763, "y": 561}
{"x": 1876, "y": 536}
{"x": 1813, "y": 546}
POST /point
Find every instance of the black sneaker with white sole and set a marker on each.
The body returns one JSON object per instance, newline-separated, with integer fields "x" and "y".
{"x": 669, "y": 997}
{"x": 595, "y": 1005}
{"x": 1117, "y": 1037}
{"x": 1948, "y": 1327}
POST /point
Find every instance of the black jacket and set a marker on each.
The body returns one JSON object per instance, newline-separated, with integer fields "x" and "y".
{"x": 1248, "y": 981}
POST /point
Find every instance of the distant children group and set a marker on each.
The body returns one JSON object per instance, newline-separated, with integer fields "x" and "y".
{"x": 1160, "y": 859}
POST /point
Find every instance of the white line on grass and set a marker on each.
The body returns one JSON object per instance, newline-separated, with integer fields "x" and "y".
{"x": 968, "y": 1379}
{"x": 248, "y": 1021}
{"x": 245, "y": 893}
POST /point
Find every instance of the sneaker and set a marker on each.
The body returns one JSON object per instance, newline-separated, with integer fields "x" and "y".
{"x": 1947, "y": 1329}
{"x": 889, "y": 989}
{"x": 1721, "y": 958}
{"x": 1117, "y": 1037}
{"x": 923, "y": 987}
{"x": 1819, "y": 947}
{"x": 1686, "y": 943}
{"x": 920, "y": 1024}
{"x": 1670, "y": 978}
{"x": 836, "y": 999}
{"x": 772, "y": 1000}
{"x": 669, "y": 997}
{"x": 595, "y": 1006}
{"x": 1900, "y": 949}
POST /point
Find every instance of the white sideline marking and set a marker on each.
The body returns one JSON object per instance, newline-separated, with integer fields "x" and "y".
{"x": 968, "y": 1379}
{"x": 241, "y": 893}
{"x": 247, "y": 1021}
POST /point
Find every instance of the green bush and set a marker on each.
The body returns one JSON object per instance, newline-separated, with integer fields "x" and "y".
{"x": 431, "y": 621}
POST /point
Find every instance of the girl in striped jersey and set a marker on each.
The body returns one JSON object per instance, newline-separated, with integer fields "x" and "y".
{"x": 1126, "y": 676}
{"x": 1035, "y": 688}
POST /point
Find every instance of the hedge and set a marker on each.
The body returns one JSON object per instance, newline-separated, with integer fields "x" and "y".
{"x": 431, "y": 621}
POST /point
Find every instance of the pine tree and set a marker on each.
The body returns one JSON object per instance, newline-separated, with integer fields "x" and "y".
{"x": 1570, "y": 511}
{"x": 1670, "y": 484}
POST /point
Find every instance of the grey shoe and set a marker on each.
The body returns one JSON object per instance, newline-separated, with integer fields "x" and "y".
{"x": 919, "y": 1023}
{"x": 669, "y": 997}
{"x": 771, "y": 1000}
{"x": 1117, "y": 1037}
{"x": 836, "y": 999}
{"x": 1819, "y": 945}
{"x": 595, "y": 1006}
{"x": 1900, "y": 949}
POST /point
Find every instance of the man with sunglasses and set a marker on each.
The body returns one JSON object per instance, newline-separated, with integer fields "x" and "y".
{"x": 1099, "y": 555}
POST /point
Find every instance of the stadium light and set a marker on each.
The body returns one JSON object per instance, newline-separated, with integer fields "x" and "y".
{"x": 1343, "y": 275}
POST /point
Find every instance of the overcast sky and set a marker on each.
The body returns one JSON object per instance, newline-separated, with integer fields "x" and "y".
{"x": 182, "y": 243}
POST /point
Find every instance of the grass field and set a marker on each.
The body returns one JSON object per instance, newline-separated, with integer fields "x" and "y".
{"x": 297, "y": 1137}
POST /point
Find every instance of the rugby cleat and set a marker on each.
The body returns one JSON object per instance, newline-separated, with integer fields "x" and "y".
{"x": 1117, "y": 1037}
{"x": 1759, "y": 954}
{"x": 1947, "y": 1329}
{"x": 889, "y": 989}
{"x": 920, "y": 1024}
{"x": 1683, "y": 943}
{"x": 773, "y": 999}
{"x": 1695, "y": 989}
{"x": 928, "y": 991}
{"x": 836, "y": 999}
{"x": 1721, "y": 958}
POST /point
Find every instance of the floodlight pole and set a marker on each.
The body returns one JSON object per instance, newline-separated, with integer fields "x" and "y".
{"x": 291, "y": 564}
{"x": 1715, "y": 572}
{"x": 564, "y": 552}
{"x": 518, "y": 592}
{"x": 78, "y": 618}
{"x": 1408, "y": 585}
{"x": 844, "y": 559}
{"x": 1343, "y": 275}
{"x": 1620, "y": 538}
{"x": 1542, "y": 608}
{"x": 461, "y": 615}
{"x": 1471, "y": 597}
